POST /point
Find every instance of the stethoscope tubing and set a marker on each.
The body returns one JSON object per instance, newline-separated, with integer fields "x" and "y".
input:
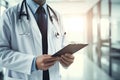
{"x": 21, "y": 13}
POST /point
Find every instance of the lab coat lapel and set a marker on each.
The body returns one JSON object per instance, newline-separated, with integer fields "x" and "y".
{"x": 52, "y": 25}
{"x": 35, "y": 33}
{"x": 52, "y": 30}
{"x": 50, "y": 36}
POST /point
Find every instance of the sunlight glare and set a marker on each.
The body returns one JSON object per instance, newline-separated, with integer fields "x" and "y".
{"x": 75, "y": 23}
{"x": 74, "y": 26}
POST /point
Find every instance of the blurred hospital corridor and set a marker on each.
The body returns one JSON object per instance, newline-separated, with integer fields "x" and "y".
{"x": 95, "y": 22}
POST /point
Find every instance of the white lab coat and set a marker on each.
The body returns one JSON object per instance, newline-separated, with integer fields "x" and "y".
{"x": 20, "y": 42}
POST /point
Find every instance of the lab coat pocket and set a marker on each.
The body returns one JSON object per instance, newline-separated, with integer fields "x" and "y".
{"x": 24, "y": 28}
{"x": 24, "y": 33}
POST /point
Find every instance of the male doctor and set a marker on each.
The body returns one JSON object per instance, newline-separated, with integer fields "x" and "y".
{"x": 26, "y": 44}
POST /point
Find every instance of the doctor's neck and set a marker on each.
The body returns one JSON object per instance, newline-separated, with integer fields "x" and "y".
{"x": 40, "y": 2}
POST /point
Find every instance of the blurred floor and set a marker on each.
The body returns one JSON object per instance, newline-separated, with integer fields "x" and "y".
{"x": 115, "y": 69}
{"x": 115, "y": 64}
{"x": 84, "y": 69}
{"x": 105, "y": 62}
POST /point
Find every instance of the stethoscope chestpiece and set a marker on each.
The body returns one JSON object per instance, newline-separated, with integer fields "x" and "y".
{"x": 64, "y": 33}
{"x": 57, "y": 35}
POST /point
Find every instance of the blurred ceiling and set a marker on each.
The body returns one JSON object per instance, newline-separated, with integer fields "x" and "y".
{"x": 73, "y": 7}
{"x": 66, "y": 6}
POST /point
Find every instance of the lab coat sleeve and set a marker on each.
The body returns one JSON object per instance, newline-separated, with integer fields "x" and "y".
{"x": 12, "y": 59}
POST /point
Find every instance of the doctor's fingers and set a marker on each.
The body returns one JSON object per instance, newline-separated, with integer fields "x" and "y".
{"x": 69, "y": 59}
{"x": 66, "y": 61}
{"x": 45, "y": 58}
{"x": 40, "y": 60}
{"x": 48, "y": 60}
{"x": 69, "y": 56}
{"x": 46, "y": 66}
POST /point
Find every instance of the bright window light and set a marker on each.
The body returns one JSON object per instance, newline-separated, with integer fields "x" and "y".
{"x": 74, "y": 26}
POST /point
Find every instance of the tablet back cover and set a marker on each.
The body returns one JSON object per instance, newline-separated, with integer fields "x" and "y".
{"x": 71, "y": 48}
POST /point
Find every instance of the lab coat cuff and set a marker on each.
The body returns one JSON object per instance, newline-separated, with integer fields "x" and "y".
{"x": 34, "y": 68}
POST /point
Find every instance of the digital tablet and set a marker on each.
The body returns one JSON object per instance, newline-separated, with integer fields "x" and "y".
{"x": 71, "y": 48}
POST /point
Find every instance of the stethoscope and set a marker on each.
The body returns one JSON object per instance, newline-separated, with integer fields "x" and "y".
{"x": 22, "y": 13}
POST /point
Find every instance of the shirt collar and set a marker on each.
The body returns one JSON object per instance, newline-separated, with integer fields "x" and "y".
{"x": 34, "y": 6}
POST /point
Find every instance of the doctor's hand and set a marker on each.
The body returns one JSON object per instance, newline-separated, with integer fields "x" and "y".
{"x": 66, "y": 60}
{"x": 44, "y": 62}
